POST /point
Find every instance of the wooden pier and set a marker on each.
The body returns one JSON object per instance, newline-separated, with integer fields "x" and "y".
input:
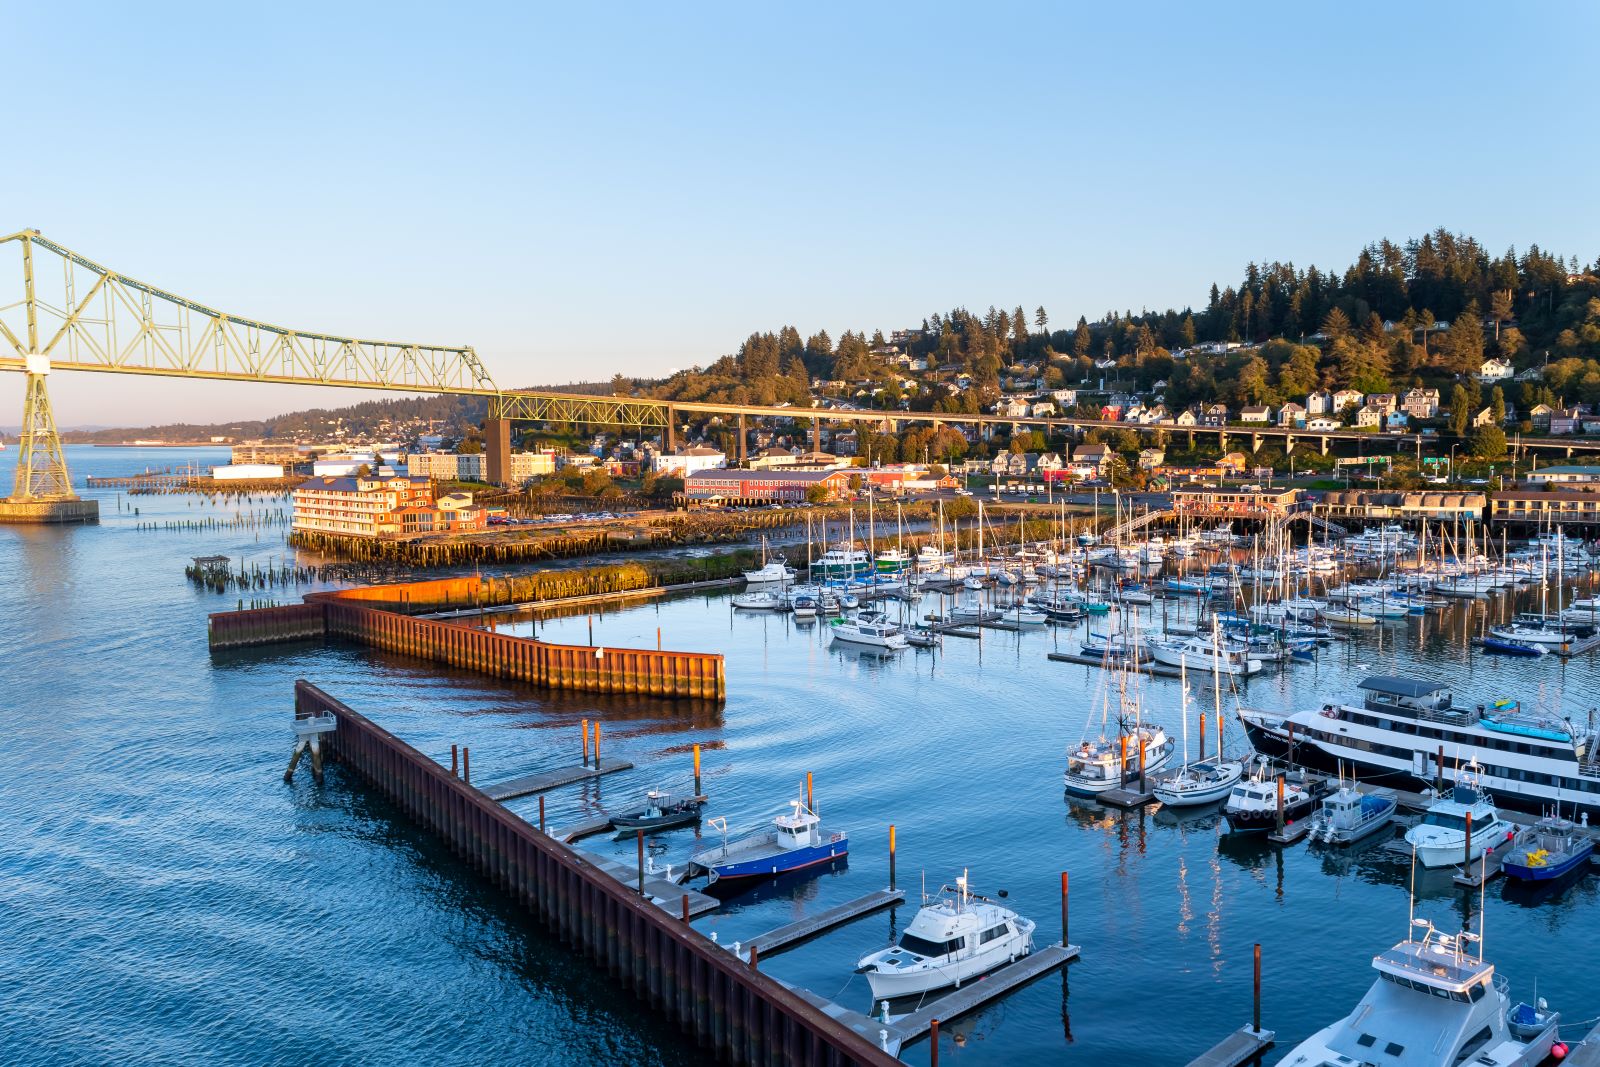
{"x": 579, "y": 831}
{"x": 1241, "y": 1046}
{"x": 540, "y": 781}
{"x": 1292, "y": 833}
{"x": 792, "y": 934}
{"x": 1585, "y": 1053}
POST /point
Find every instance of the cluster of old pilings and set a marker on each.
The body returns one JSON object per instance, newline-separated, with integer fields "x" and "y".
{"x": 728, "y": 1005}
{"x": 380, "y": 616}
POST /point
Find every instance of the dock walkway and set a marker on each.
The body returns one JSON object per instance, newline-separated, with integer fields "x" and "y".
{"x": 980, "y": 991}
{"x": 663, "y": 893}
{"x": 541, "y": 781}
{"x": 783, "y": 937}
{"x": 1241, "y": 1046}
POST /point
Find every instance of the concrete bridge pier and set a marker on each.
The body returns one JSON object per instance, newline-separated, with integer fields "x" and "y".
{"x": 1255, "y": 443}
{"x": 1324, "y": 441}
{"x": 744, "y": 435}
{"x": 672, "y": 431}
{"x": 816, "y": 435}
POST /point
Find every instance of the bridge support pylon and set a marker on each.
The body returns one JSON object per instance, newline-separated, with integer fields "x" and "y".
{"x": 42, "y": 492}
{"x": 1324, "y": 441}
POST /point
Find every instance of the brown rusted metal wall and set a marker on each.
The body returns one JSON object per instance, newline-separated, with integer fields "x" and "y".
{"x": 265, "y": 626}
{"x": 584, "y": 668}
{"x": 740, "y": 1014}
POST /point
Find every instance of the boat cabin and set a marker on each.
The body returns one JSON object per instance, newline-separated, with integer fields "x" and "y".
{"x": 1411, "y": 697}
{"x": 798, "y": 829}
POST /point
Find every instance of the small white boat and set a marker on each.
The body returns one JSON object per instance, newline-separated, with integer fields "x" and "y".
{"x": 1440, "y": 839}
{"x": 871, "y": 628}
{"x": 775, "y": 571}
{"x": 762, "y": 600}
{"x": 1532, "y": 635}
{"x": 1200, "y": 653}
{"x": 804, "y": 606}
{"x": 1350, "y": 815}
{"x": 955, "y": 937}
{"x": 1020, "y": 614}
{"x": 1199, "y": 783}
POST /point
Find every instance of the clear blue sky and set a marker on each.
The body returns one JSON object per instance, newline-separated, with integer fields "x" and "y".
{"x": 580, "y": 189}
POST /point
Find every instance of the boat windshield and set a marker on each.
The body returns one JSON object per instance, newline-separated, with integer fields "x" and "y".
{"x": 923, "y": 947}
{"x": 1444, "y": 818}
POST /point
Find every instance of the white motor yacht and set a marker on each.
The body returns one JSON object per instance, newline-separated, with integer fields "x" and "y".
{"x": 1434, "y": 1003}
{"x": 1203, "y": 652}
{"x": 871, "y": 628}
{"x": 775, "y": 570}
{"x": 1440, "y": 839}
{"x": 956, "y": 936}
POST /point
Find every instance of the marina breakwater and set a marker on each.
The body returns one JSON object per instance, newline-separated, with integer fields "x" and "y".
{"x": 729, "y": 1006}
{"x": 385, "y": 617}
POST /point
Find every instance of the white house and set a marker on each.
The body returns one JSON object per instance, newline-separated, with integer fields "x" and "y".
{"x": 1291, "y": 414}
{"x": 1066, "y": 398}
{"x": 1255, "y": 413}
{"x": 1344, "y": 398}
{"x": 1151, "y": 458}
{"x": 1319, "y": 403}
{"x": 1012, "y": 409}
{"x": 1421, "y": 403}
{"x": 1369, "y": 417}
{"x": 1322, "y": 422}
{"x": 1043, "y": 409}
{"x": 1494, "y": 370}
{"x": 687, "y": 461}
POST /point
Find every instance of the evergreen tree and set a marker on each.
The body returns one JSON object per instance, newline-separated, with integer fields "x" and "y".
{"x": 1019, "y": 329}
{"x": 1336, "y": 325}
{"x": 1040, "y": 319}
{"x": 1488, "y": 442}
{"x": 1082, "y": 339}
{"x": 1499, "y": 309}
{"x": 1462, "y": 347}
{"x": 1497, "y": 406}
{"x": 1460, "y": 411}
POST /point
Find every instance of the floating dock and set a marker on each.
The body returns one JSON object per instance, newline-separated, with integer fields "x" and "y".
{"x": 582, "y": 830}
{"x": 980, "y": 991}
{"x": 1129, "y": 796}
{"x": 663, "y": 893}
{"x": 1241, "y": 1046}
{"x": 540, "y": 781}
{"x": 787, "y": 936}
{"x": 1587, "y": 1052}
{"x": 1293, "y": 833}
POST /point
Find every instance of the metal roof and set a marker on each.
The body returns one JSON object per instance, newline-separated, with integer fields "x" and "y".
{"x": 1402, "y": 687}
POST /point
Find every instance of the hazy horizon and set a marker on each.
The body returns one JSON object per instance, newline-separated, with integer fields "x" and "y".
{"x": 637, "y": 190}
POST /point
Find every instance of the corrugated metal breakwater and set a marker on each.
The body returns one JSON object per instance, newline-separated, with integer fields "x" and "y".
{"x": 380, "y": 616}
{"x": 725, "y": 1003}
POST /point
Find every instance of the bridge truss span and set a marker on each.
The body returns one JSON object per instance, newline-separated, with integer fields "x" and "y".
{"x": 80, "y": 315}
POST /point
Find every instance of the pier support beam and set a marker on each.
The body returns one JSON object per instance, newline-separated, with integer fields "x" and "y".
{"x": 744, "y": 435}
{"x": 1324, "y": 442}
{"x": 672, "y": 430}
{"x": 1255, "y": 443}
{"x": 816, "y": 435}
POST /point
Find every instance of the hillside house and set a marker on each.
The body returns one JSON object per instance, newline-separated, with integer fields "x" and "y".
{"x": 1494, "y": 370}
{"x": 1257, "y": 413}
{"x": 1292, "y": 415}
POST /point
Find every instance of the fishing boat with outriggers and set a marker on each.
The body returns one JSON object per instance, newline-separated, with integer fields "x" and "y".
{"x": 1097, "y": 766}
{"x": 956, "y": 936}
{"x": 1435, "y": 1003}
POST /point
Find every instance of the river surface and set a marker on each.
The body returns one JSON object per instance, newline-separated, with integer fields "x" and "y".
{"x": 168, "y": 899}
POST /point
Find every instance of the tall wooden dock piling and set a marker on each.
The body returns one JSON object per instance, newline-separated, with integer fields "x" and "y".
{"x": 740, "y": 1014}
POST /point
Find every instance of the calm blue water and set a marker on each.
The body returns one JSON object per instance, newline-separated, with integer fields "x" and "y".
{"x": 168, "y": 899}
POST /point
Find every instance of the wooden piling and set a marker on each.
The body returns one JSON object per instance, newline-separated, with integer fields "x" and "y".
{"x": 455, "y": 764}
{"x": 697, "y": 791}
{"x": 1255, "y": 1017}
{"x": 810, "y": 800}
{"x": 1467, "y": 859}
{"x": 1122, "y": 768}
{"x": 1064, "y": 908}
{"x": 641, "y": 862}
{"x": 466, "y": 764}
{"x": 586, "y": 742}
{"x": 597, "y": 742}
{"x": 541, "y": 813}
{"x": 753, "y": 956}
{"x": 1438, "y": 773}
{"x": 933, "y": 1043}
{"x": 1202, "y": 735}
{"x": 685, "y": 899}
{"x": 891, "y": 855}
{"x": 1280, "y": 805}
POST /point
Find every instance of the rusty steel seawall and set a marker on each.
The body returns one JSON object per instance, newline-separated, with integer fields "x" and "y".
{"x": 741, "y": 1015}
{"x": 358, "y": 615}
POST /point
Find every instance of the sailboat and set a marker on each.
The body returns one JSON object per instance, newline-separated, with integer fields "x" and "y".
{"x": 1207, "y": 781}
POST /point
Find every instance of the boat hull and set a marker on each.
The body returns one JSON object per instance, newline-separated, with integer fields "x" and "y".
{"x": 1263, "y": 820}
{"x": 891, "y": 985}
{"x": 771, "y": 866}
{"x": 1549, "y": 872}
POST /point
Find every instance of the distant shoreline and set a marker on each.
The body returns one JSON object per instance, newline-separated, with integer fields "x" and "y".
{"x": 150, "y": 444}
